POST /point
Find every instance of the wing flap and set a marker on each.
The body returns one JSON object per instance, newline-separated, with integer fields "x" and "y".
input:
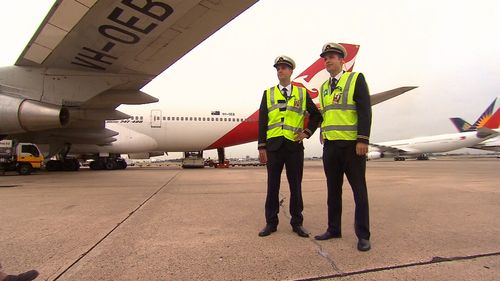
{"x": 113, "y": 98}
{"x": 97, "y": 114}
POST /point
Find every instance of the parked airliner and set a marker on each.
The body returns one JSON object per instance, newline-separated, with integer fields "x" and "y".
{"x": 421, "y": 146}
{"x": 492, "y": 144}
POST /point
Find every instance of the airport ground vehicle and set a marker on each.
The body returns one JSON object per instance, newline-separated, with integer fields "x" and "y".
{"x": 193, "y": 159}
{"x": 20, "y": 157}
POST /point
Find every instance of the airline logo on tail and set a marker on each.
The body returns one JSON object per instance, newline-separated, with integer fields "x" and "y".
{"x": 482, "y": 121}
{"x": 316, "y": 74}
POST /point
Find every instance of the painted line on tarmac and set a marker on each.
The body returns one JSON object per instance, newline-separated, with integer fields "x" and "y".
{"x": 434, "y": 260}
{"x": 320, "y": 250}
{"x": 118, "y": 225}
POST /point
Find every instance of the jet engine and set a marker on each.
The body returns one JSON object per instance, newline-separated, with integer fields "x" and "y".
{"x": 19, "y": 115}
{"x": 374, "y": 155}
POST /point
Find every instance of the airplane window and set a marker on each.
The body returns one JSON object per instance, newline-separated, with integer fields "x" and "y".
{"x": 164, "y": 118}
{"x": 234, "y": 120}
{"x": 168, "y": 118}
{"x": 182, "y": 118}
{"x": 225, "y": 119}
{"x": 137, "y": 118}
{"x": 141, "y": 117}
{"x": 177, "y": 118}
{"x": 190, "y": 118}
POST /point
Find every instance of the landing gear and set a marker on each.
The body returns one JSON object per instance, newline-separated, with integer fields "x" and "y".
{"x": 399, "y": 158}
{"x": 70, "y": 164}
{"x": 423, "y": 157}
{"x": 108, "y": 163}
{"x": 63, "y": 163}
{"x": 223, "y": 163}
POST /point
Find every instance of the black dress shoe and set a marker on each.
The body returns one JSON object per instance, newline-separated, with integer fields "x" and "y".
{"x": 267, "y": 230}
{"x": 26, "y": 276}
{"x": 327, "y": 235}
{"x": 364, "y": 245}
{"x": 301, "y": 231}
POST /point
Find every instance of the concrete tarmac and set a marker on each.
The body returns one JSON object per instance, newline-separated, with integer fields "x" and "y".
{"x": 430, "y": 220}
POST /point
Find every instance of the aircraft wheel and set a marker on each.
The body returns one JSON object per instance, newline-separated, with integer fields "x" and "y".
{"x": 121, "y": 164}
{"x": 71, "y": 165}
{"x": 110, "y": 165}
{"x": 96, "y": 165}
{"x": 53, "y": 165}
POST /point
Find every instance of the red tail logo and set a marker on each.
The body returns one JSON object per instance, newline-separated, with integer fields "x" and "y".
{"x": 315, "y": 75}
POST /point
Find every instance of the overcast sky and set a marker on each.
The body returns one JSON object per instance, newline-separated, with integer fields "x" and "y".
{"x": 450, "y": 49}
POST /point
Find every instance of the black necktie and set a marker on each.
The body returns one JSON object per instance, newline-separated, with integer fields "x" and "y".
{"x": 333, "y": 83}
{"x": 285, "y": 93}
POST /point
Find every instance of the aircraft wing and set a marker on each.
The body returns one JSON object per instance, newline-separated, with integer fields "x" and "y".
{"x": 383, "y": 96}
{"x": 487, "y": 147}
{"x": 389, "y": 149}
{"x": 93, "y": 55}
{"x": 125, "y": 36}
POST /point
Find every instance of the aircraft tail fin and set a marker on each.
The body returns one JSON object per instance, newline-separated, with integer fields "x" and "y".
{"x": 316, "y": 74}
{"x": 462, "y": 125}
{"x": 494, "y": 121}
{"x": 483, "y": 119}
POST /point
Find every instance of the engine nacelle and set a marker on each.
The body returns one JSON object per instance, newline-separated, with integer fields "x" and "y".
{"x": 22, "y": 115}
{"x": 374, "y": 155}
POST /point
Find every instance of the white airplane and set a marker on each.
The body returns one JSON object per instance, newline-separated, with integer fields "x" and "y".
{"x": 492, "y": 144}
{"x": 88, "y": 57}
{"x": 421, "y": 146}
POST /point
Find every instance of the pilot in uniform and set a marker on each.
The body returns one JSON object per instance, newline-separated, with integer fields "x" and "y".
{"x": 282, "y": 112}
{"x": 345, "y": 129}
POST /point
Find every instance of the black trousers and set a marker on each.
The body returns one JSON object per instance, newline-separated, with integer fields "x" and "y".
{"x": 339, "y": 158}
{"x": 294, "y": 163}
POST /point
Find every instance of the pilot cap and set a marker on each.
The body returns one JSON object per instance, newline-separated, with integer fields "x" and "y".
{"x": 333, "y": 48}
{"x": 284, "y": 60}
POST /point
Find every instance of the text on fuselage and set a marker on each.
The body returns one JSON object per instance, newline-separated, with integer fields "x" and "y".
{"x": 120, "y": 29}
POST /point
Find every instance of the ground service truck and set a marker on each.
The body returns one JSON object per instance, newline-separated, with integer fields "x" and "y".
{"x": 20, "y": 157}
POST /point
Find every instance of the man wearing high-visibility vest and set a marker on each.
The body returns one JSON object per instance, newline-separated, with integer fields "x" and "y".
{"x": 281, "y": 130}
{"x": 345, "y": 130}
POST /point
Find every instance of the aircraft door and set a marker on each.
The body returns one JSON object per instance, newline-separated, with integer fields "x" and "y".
{"x": 156, "y": 118}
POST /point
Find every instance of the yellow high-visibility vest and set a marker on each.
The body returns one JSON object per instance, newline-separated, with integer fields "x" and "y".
{"x": 286, "y": 122}
{"x": 340, "y": 118}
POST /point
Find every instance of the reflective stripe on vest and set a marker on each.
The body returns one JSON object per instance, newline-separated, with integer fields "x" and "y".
{"x": 338, "y": 108}
{"x": 289, "y": 121}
